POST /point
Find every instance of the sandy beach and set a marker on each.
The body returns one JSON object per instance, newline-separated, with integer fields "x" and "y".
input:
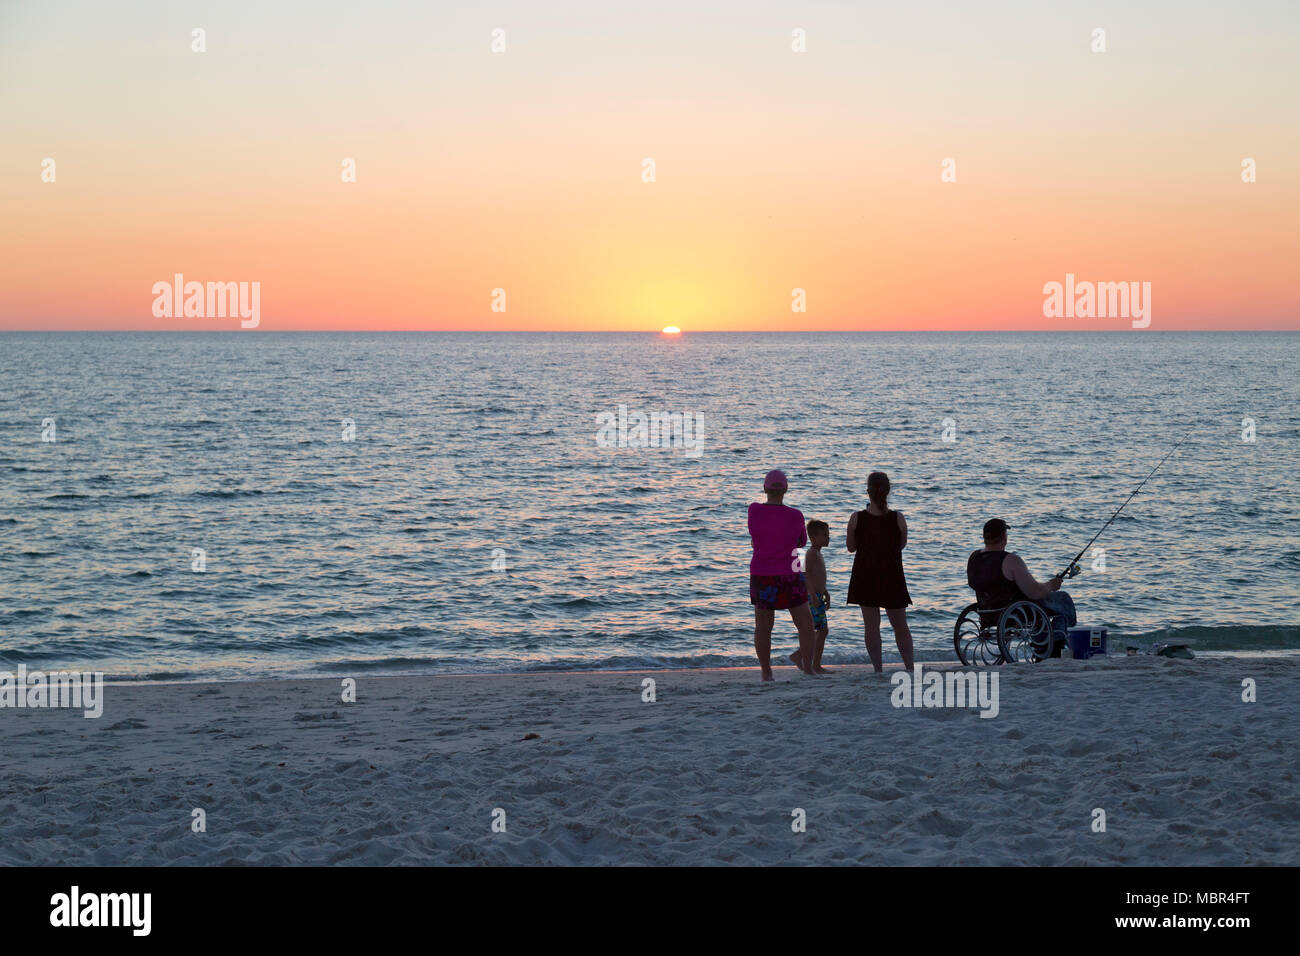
{"x": 711, "y": 772}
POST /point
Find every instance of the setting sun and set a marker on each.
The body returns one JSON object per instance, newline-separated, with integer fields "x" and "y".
{"x": 671, "y": 330}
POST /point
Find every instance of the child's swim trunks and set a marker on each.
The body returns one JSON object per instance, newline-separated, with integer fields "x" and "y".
{"x": 819, "y": 613}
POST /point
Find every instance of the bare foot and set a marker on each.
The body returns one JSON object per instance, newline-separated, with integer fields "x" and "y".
{"x": 823, "y": 670}
{"x": 767, "y": 674}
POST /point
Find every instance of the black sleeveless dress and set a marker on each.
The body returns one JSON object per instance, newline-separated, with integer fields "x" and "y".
{"x": 878, "y": 579}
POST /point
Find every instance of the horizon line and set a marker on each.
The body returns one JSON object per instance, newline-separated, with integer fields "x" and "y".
{"x": 655, "y": 332}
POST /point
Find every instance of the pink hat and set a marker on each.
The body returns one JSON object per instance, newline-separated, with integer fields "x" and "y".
{"x": 775, "y": 480}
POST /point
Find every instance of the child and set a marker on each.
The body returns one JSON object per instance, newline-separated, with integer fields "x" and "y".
{"x": 819, "y": 599}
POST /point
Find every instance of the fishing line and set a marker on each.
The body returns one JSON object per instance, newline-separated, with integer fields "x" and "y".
{"x": 1073, "y": 567}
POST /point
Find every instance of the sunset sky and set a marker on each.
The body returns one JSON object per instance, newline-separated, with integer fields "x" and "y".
{"x": 775, "y": 170}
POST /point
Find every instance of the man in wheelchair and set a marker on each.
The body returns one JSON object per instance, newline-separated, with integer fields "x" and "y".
{"x": 999, "y": 579}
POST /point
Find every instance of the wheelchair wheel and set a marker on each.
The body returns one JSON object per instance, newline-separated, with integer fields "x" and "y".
{"x": 1025, "y": 633}
{"x": 976, "y": 646}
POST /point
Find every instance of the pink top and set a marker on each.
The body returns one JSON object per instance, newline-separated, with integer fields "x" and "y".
{"x": 776, "y": 530}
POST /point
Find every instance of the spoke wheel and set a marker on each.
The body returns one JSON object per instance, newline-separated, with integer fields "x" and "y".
{"x": 1025, "y": 633}
{"x": 976, "y": 645}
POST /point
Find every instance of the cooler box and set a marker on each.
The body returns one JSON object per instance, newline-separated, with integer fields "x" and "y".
{"x": 1084, "y": 642}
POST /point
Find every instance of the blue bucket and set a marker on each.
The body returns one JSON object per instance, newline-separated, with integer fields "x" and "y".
{"x": 1086, "y": 642}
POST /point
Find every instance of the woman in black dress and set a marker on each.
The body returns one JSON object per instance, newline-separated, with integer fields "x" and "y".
{"x": 876, "y": 538}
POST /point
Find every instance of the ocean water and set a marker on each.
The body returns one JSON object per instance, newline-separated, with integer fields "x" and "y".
{"x": 473, "y": 522}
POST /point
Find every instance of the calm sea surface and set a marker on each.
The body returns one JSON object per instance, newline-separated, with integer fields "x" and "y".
{"x": 474, "y": 522}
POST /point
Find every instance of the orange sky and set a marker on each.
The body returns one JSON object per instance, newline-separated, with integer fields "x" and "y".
{"x": 522, "y": 170}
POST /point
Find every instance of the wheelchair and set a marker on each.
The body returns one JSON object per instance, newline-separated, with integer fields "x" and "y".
{"x": 987, "y": 636}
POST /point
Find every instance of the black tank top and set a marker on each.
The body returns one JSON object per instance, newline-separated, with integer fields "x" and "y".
{"x": 878, "y": 579}
{"x": 984, "y": 575}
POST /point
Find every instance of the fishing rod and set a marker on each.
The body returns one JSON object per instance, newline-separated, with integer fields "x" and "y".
{"x": 1073, "y": 567}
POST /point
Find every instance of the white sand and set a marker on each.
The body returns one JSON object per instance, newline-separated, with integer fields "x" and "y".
{"x": 1186, "y": 772}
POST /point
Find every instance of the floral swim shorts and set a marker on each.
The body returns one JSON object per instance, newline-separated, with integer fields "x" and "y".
{"x": 777, "y": 592}
{"x": 819, "y": 613}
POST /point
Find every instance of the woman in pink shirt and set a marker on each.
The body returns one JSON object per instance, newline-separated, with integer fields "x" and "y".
{"x": 776, "y": 580}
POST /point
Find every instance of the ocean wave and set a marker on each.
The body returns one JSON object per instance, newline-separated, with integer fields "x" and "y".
{"x": 1251, "y": 637}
